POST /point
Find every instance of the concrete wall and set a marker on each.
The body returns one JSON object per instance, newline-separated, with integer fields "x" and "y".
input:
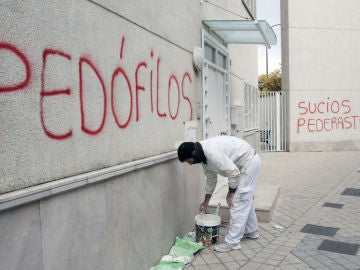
{"x": 243, "y": 70}
{"x": 83, "y": 84}
{"x": 320, "y": 69}
{"x": 93, "y": 96}
{"x": 127, "y": 222}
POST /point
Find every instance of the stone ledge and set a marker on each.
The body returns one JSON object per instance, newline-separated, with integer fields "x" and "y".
{"x": 23, "y": 196}
{"x": 266, "y": 197}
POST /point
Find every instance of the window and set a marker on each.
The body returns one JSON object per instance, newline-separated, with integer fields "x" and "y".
{"x": 221, "y": 62}
{"x": 215, "y": 56}
{"x": 209, "y": 53}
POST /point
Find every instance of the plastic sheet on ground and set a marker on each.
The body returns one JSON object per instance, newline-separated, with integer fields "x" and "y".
{"x": 181, "y": 253}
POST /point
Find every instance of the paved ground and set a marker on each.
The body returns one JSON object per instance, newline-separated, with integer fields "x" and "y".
{"x": 311, "y": 215}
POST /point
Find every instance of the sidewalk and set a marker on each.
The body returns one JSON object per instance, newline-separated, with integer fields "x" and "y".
{"x": 313, "y": 226}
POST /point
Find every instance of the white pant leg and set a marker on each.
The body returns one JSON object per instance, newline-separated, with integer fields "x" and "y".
{"x": 251, "y": 223}
{"x": 242, "y": 214}
{"x": 239, "y": 214}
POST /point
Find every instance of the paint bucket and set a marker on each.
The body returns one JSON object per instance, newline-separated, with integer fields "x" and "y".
{"x": 207, "y": 228}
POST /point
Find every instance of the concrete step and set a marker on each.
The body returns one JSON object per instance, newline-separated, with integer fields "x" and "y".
{"x": 266, "y": 197}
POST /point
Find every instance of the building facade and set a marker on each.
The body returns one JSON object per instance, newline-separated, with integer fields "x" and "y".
{"x": 95, "y": 96}
{"x": 320, "y": 63}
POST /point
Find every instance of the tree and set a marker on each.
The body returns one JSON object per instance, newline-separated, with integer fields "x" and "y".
{"x": 271, "y": 82}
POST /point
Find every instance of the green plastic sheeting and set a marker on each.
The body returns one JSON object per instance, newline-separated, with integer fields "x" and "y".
{"x": 166, "y": 265}
{"x": 185, "y": 248}
{"x": 181, "y": 253}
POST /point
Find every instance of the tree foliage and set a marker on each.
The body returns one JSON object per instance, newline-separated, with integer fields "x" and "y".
{"x": 271, "y": 82}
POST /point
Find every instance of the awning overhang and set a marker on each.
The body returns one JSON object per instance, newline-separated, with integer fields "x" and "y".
{"x": 242, "y": 32}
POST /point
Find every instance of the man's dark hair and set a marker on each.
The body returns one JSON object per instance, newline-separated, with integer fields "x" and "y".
{"x": 185, "y": 150}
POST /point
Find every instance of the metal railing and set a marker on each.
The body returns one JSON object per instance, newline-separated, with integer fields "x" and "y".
{"x": 273, "y": 112}
{"x": 251, "y": 107}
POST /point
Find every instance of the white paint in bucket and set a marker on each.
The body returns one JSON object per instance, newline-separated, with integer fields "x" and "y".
{"x": 208, "y": 220}
{"x": 207, "y": 228}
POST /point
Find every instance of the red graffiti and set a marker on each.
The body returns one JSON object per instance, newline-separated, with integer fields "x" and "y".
{"x": 44, "y": 93}
{"x": 186, "y": 75}
{"x": 138, "y": 87}
{"x": 157, "y": 90}
{"x": 151, "y": 85}
{"x": 334, "y": 106}
{"x": 22, "y": 84}
{"x": 113, "y": 107}
{"x": 336, "y": 114}
{"x": 122, "y": 47}
{"x": 84, "y": 127}
{"x": 173, "y": 78}
{"x": 139, "y": 90}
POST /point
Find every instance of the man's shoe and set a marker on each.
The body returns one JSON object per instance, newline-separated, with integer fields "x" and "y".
{"x": 253, "y": 235}
{"x": 225, "y": 247}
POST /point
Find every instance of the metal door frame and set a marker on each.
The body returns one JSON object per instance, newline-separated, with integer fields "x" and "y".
{"x": 207, "y": 123}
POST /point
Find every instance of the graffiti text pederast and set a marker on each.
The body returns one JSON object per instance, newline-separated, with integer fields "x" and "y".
{"x": 326, "y": 115}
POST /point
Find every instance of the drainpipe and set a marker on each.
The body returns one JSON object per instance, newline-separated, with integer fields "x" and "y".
{"x": 267, "y": 57}
{"x": 248, "y": 9}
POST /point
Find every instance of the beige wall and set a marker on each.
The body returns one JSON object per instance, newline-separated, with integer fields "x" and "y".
{"x": 93, "y": 96}
{"x": 121, "y": 84}
{"x": 320, "y": 70}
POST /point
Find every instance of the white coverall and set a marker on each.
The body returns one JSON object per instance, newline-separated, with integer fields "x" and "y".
{"x": 235, "y": 159}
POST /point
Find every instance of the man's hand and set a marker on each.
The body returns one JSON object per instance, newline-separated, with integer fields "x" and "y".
{"x": 229, "y": 198}
{"x": 204, "y": 205}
